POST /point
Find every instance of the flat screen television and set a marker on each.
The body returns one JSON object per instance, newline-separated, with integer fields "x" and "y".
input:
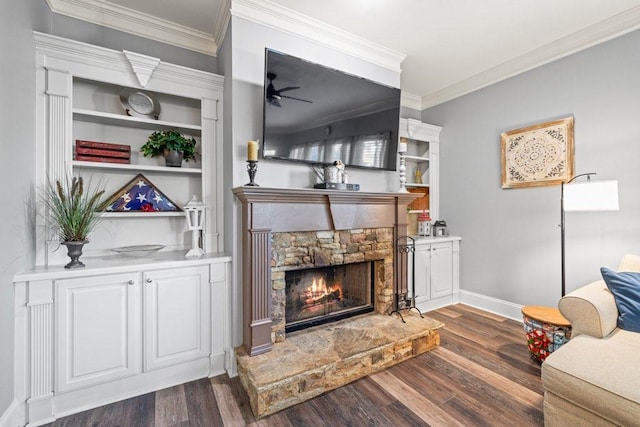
{"x": 316, "y": 114}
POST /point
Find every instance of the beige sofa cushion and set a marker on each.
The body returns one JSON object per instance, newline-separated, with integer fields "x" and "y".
{"x": 598, "y": 374}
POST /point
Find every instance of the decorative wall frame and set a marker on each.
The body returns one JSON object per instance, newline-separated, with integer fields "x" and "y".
{"x": 538, "y": 155}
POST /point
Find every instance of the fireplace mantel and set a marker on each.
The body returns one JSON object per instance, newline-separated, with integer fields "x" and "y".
{"x": 268, "y": 210}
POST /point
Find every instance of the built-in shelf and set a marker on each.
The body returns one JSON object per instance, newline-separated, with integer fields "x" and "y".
{"x": 413, "y": 184}
{"x": 137, "y": 168}
{"x": 137, "y": 214}
{"x": 133, "y": 122}
{"x": 416, "y": 158}
{"x": 414, "y": 211}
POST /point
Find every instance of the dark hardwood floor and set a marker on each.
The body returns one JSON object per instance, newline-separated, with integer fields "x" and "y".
{"x": 481, "y": 375}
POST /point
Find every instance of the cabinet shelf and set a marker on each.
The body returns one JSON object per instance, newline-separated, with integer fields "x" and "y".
{"x": 416, "y": 158}
{"x": 145, "y": 215}
{"x": 133, "y": 122}
{"x": 415, "y": 185}
{"x": 137, "y": 168}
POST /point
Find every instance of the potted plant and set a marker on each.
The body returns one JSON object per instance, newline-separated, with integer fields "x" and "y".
{"x": 174, "y": 146}
{"x": 74, "y": 211}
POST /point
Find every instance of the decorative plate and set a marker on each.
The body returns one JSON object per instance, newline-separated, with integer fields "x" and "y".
{"x": 140, "y": 104}
{"x": 138, "y": 251}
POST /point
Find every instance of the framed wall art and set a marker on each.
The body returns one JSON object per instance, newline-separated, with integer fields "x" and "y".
{"x": 538, "y": 155}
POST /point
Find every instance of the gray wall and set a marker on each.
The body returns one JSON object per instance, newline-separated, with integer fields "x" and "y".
{"x": 511, "y": 239}
{"x": 17, "y": 111}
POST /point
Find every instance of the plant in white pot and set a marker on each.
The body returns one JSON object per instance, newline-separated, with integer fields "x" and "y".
{"x": 74, "y": 211}
{"x": 174, "y": 146}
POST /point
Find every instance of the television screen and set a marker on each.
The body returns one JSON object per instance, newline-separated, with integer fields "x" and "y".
{"x": 316, "y": 114}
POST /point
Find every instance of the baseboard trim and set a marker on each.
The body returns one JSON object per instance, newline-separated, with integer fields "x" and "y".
{"x": 492, "y": 305}
{"x": 9, "y": 417}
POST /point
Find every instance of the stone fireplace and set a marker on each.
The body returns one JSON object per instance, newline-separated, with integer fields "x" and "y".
{"x": 321, "y": 276}
{"x": 314, "y": 256}
{"x": 348, "y": 225}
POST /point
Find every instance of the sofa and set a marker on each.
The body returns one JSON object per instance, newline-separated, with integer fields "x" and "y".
{"x": 594, "y": 379}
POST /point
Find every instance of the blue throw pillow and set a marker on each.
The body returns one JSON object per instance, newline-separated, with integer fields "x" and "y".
{"x": 625, "y": 287}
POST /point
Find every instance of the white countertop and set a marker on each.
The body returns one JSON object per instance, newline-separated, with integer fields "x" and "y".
{"x": 434, "y": 239}
{"x": 121, "y": 264}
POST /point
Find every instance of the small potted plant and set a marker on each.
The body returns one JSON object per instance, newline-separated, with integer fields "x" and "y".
{"x": 74, "y": 211}
{"x": 172, "y": 145}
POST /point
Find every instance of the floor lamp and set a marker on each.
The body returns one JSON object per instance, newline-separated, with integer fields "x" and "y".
{"x": 585, "y": 197}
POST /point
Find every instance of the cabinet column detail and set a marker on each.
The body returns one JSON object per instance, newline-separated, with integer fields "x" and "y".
{"x": 58, "y": 92}
{"x": 212, "y": 175}
{"x": 42, "y": 347}
{"x": 40, "y": 306}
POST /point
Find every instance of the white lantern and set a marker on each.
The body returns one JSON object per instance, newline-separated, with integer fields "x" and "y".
{"x": 194, "y": 210}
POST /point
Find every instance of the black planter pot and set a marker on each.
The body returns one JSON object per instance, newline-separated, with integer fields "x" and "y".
{"x": 74, "y": 251}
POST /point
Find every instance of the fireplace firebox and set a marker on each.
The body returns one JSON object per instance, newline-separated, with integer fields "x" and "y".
{"x": 324, "y": 294}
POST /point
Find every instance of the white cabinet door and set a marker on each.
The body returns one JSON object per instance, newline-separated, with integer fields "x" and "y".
{"x": 176, "y": 319}
{"x": 97, "y": 329}
{"x": 441, "y": 269}
{"x": 422, "y": 260}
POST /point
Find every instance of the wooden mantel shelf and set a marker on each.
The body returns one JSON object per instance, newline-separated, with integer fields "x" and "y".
{"x": 267, "y": 210}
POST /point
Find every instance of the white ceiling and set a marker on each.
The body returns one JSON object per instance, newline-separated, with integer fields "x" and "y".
{"x": 452, "y": 47}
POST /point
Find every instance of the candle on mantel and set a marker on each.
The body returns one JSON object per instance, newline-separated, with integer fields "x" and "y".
{"x": 252, "y": 151}
{"x": 402, "y": 147}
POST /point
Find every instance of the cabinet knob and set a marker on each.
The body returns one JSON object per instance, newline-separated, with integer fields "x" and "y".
{"x": 149, "y": 280}
{"x": 131, "y": 282}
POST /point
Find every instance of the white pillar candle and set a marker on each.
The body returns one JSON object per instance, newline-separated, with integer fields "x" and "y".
{"x": 252, "y": 151}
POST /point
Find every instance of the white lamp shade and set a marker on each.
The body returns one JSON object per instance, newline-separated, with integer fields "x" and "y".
{"x": 591, "y": 196}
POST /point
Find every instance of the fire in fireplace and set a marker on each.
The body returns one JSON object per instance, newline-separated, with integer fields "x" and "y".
{"x": 325, "y": 294}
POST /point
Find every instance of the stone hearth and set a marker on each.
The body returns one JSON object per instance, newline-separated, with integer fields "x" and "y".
{"x": 319, "y": 359}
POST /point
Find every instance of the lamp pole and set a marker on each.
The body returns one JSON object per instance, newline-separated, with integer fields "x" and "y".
{"x": 562, "y": 256}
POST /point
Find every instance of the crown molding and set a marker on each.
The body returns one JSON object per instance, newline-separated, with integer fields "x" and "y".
{"x": 134, "y": 22}
{"x": 222, "y": 22}
{"x": 269, "y": 14}
{"x": 600, "y": 32}
{"x": 410, "y": 100}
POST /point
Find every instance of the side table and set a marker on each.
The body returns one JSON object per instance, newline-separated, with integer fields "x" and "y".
{"x": 546, "y": 330}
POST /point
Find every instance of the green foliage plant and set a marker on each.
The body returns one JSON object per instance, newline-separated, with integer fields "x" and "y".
{"x": 159, "y": 141}
{"x": 74, "y": 209}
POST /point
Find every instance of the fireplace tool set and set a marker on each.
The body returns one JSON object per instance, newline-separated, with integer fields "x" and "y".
{"x": 403, "y": 299}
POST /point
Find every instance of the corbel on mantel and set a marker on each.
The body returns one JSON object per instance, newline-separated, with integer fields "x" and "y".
{"x": 269, "y": 210}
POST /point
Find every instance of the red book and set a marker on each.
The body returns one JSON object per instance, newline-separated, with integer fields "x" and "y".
{"x": 103, "y": 153}
{"x": 101, "y": 159}
{"x": 102, "y": 145}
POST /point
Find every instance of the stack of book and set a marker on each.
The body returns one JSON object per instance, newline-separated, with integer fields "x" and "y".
{"x": 92, "y": 151}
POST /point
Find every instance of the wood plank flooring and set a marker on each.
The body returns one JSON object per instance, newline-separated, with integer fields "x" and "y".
{"x": 481, "y": 375}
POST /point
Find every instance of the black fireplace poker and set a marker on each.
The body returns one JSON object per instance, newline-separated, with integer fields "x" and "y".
{"x": 406, "y": 246}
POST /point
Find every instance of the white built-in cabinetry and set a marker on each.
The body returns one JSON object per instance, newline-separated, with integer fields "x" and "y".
{"x": 423, "y": 151}
{"x": 437, "y": 269}
{"x": 118, "y": 329}
{"x": 122, "y": 326}
{"x": 79, "y": 88}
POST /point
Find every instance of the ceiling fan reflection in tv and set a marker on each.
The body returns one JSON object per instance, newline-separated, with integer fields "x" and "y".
{"x": 274, "y": 96}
